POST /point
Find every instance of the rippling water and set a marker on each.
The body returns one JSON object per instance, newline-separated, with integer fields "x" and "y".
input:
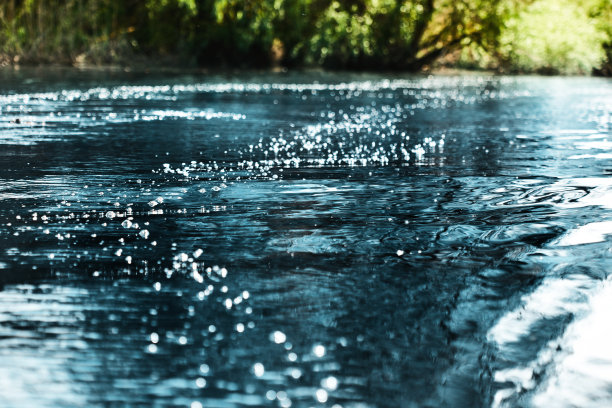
{"x": 304, "y": 240}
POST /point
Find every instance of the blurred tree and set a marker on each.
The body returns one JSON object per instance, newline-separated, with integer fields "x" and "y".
{"x": 519, "y": 35}
{"x": 571, "y": 42}
{"x": 601, "y": 11}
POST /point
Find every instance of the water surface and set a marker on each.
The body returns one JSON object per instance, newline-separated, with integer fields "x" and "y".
{"x": 304, "y": 240}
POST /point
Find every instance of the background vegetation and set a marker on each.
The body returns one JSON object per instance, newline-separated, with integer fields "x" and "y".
{"x": 547, "y": 36}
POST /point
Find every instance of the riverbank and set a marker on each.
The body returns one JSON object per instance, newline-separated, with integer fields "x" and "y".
{"x": 144, "y": 68}
{"x": 128, "y": 61}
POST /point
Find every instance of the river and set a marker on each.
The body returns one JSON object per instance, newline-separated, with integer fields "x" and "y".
{"x": 304, "y": 239}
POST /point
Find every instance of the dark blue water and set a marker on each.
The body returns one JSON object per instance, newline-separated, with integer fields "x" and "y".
{"x": 304, "y": 240}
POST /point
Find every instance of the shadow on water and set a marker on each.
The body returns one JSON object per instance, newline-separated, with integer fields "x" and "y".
{"x": 302, "y": 240}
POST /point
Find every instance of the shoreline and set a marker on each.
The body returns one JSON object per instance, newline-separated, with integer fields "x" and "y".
{"x": 162, "y": 69}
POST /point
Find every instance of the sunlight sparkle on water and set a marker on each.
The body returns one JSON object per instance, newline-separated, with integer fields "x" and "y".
{"x": 394, "y": 229}
{"x": 318, "y": 350}
{"x": 321, "y": 395}
{"x": 330, "y": 383}
{"x": 278, "y": 337}
{"x": 258, "y": 369}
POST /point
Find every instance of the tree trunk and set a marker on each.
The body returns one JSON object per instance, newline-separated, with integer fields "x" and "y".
{"x": 419, "y": 30}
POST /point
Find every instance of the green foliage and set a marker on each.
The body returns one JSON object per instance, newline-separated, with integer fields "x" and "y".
{"x": 553, "y": 36}
{"x": 601, "y": 11}
{"x": 520, "y": 35}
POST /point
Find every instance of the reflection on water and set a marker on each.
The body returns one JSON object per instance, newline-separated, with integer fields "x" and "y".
{"x": 304, "y": 240}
